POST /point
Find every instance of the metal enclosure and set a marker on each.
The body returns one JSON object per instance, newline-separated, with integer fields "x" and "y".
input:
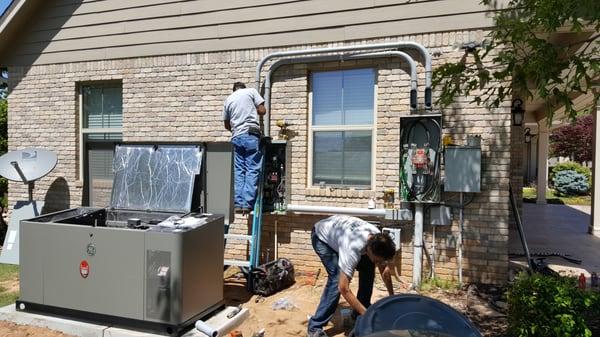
{"x": 463, "y": 169}
{"x": 133, "y": 263}
{"x": 420, "y": 153}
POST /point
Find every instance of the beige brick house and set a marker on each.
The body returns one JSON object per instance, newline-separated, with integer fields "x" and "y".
{"x": 84, "y": 74}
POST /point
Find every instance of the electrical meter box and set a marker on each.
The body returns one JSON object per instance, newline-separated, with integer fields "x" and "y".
{"x": 152, "y": 260}
{"x": 462, "y": 166}
{"x": 276, "y": 185}
{"x": 420, "y": 158}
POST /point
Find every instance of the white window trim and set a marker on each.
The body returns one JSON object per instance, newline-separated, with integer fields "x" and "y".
{"x": 372, "y": 128}
{"x": 84, "y": 131}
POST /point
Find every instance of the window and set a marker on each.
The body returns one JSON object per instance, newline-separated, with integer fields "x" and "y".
{"x": 101, "y": 126}
{"x": 341, "y": 127}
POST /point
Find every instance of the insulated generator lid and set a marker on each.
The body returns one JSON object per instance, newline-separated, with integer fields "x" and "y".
{"x": 155, "y": 177}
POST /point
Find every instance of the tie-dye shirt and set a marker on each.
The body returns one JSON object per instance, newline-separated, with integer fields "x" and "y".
{"x": 348, "y": 236}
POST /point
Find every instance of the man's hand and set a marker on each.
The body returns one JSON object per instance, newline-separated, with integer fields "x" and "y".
{"x": 227, "y": 125}
{"x": 386, "y": 275}
{"x": 344, "y": 288}
{"x": 260, "y": 109}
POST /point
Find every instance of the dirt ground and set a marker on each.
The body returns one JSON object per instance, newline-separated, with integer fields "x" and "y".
{"x": 302, "y": 299}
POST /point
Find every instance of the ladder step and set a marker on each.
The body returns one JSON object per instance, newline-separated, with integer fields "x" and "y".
{"x": 237, "y": 263}
{"x": 238, "y": 237}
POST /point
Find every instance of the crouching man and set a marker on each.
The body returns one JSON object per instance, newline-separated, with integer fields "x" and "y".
{"x": 346, "y": 244}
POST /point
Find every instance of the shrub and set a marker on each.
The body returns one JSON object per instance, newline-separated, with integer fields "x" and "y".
{"x": 572, "y": 166}
{"x": 542, "y": 305}
{"x": 570, "y": 183}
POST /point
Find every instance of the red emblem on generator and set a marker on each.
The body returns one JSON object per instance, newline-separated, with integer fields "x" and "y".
{"x": 84, "y": 269}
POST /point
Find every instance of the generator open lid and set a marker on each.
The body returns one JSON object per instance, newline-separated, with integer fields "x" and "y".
{"x": 155, "y": 177}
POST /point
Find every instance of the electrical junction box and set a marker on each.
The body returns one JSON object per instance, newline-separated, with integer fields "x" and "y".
{"x": 462, "y": 165}
{"x": 395, "y": 234}
{"x": 440, "y": 215}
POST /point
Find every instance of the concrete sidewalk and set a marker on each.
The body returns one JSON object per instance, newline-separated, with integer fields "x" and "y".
{"x": 559, "y": 229}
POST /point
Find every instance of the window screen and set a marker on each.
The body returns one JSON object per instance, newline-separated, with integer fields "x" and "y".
{"x": 342, "y": 126}
{"x": 102, "y": 108}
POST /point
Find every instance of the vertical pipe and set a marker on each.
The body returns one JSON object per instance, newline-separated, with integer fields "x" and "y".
{"x": 276, "y": 244}
{"x": 418, "y": 246}
{"x": 460, "y": 238}
{"x": 433, "y": 253}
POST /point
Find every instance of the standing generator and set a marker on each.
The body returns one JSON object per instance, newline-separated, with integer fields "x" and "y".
{"x": 152, "y": 260}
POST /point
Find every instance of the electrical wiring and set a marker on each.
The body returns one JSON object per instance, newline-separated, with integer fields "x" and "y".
{"x": 431, "y": 191}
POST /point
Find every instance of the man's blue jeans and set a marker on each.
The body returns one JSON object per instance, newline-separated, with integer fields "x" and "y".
{"x": 247, "y": 160}
{"x": 331, "y": 293}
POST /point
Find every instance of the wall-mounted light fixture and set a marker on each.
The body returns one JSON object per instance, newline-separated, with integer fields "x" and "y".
{"x": 518, "y": 113}
{"x": 528, "y": 135}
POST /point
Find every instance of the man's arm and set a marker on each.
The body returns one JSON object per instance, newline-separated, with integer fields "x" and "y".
{"x": 261, "y": 109}
{"x": 344, "y": 288}
{"x": 227, "y": 125}
{"x": 386, "y": 275}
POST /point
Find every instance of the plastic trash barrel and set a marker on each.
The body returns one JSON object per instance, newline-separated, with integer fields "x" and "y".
{"x": 416, "y": 313}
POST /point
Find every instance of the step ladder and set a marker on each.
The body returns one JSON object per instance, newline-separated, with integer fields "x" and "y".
{"x": 253, "y": 239}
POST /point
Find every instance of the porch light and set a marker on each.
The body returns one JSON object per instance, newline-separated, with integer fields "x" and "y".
{"x": 518, "y": 113}
{"x": 528, "y": 135}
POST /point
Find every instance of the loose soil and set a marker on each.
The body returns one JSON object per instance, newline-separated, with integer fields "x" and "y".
{"x": 303, "y": 297}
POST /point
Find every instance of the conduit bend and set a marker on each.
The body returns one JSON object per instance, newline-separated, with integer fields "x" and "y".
{"x": 343, "y": 57}
{"x": 391, "y": 45}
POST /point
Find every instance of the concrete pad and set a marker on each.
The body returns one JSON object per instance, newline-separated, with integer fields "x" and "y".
{"x": 84, "y": 329}
{"x": 75, "y": 328}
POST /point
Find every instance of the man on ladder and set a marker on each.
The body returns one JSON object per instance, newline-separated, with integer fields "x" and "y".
{"x": 241, "y": 112}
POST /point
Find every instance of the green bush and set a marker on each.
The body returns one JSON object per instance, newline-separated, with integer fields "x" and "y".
{"x": 569, "y": 183}
{"x": 549, "y": 306}
{"x": 571, "y": 166}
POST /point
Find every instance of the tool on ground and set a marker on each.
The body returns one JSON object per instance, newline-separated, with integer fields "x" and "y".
{"x": 235, "y": 311}
{"x": 235, "y": 333}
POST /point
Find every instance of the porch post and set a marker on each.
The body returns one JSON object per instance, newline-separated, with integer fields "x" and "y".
{"x": 542, "y": 155}
{"x": 594, "y": 228}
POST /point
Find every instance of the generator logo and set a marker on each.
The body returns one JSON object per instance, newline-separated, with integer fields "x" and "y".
{"x": 84, "y": 269}
{"x": 91, "y": 249}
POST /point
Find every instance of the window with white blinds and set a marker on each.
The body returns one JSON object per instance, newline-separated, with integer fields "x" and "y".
{"x": 341, "y": 127}
{"x": 101, "y": 126}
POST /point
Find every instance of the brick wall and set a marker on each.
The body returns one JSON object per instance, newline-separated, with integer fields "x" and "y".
{"x": 179, "y": 98}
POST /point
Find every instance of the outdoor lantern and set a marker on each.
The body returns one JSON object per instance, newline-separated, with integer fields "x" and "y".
{"x": 528, "y": 135}
{"x": 518, "y": 113}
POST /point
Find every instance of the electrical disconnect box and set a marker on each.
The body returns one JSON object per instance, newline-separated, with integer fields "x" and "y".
{"x": 462, "y": 166}
{"x": 275, "y": 183}
{"x": 440, "y": 215}
{"x": 420, "y": 146}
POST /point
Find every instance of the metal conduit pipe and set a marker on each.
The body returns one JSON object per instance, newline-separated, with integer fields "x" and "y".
{"x": 379, "y": 212}
{"x": 396, "y": 45}
{"x": 343, "y": 57}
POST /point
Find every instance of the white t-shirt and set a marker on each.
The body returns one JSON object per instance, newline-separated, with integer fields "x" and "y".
{"x": 240, "y": 110}
{"x": 348, "y": 236}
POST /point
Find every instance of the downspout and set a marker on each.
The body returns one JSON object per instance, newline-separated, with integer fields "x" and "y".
{"x": 396, "y": 45}
{"x": 343, "y": 57}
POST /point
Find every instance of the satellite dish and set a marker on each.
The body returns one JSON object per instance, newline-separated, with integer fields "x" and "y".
{"x": 27, "y": 165}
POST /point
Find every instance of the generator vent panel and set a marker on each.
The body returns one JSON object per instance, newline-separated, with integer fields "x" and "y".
{"x": 463, "y": 169}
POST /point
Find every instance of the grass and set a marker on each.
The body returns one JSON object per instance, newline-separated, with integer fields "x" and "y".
{"x": 529, "y": 195}
{"x": 436, "y": 283}
{"x": 8, "y": 273}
